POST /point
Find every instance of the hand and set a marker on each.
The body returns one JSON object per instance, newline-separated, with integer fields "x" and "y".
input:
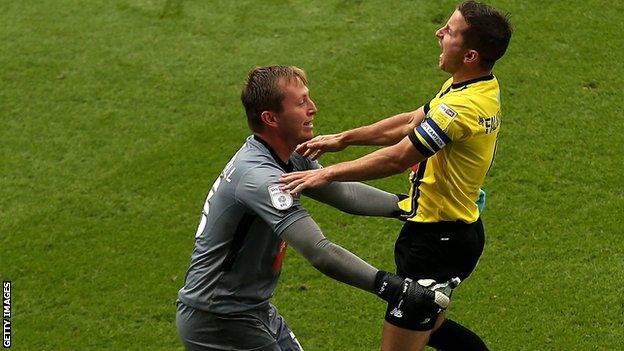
{"x": 414, "y": 297}
{"x": 295, "y": 182}
{"x": 321, "y": 144}
{"x": 443, "y": 291}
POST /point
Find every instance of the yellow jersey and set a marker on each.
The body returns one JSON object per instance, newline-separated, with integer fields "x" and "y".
{"x": 458, "y": 136}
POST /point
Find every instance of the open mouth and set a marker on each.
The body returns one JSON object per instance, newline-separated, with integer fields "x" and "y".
{"x": 309, "y": 124}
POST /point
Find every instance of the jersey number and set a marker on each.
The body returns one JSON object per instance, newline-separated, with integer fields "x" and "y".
{"x": 206, "y": 210}
{"x": 226, "y": 174}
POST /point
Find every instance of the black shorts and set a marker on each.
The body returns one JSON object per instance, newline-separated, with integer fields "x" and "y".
{"x": 438, "y": 251}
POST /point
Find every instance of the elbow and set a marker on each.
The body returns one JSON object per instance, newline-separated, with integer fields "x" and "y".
{"x": 398, "y": 165}
{"x": 403, "y": 157}
{"x": 320, "y": 265}
{"x": 322, "y": 259}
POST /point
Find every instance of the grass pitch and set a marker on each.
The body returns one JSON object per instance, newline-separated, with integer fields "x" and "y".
{"x": 118, "y": 115}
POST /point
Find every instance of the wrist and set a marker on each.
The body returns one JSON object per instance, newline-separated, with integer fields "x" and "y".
{"x": 328, "y": 173}
{"x": 344, "y": 139}
{"x": 388, "y": 286}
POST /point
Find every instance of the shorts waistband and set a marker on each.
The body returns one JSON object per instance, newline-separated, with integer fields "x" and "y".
{"x": 445, "y": 225}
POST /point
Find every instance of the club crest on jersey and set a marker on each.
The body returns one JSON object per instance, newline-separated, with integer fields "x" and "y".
{"x": 449, "y": 111}
{"x": 281, "y": 200}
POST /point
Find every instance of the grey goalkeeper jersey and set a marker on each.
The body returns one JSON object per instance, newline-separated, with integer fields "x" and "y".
{"x": 238, "y": 253}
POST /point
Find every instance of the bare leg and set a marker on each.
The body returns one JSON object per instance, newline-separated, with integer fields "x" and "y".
{"x": 394, "y": 338}
{"x": 441, "y": 319}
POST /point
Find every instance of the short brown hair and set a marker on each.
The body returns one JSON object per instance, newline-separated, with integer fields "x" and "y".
{"x": 262, "y": 91}
{"x": 489, "y": 31}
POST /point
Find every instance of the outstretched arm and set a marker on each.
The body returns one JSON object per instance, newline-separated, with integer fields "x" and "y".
{"x": 379, "y": 164}
{"x": 306, "y": 237}
{"x": 388, "y": 131}
{"x": 357, "y": 198}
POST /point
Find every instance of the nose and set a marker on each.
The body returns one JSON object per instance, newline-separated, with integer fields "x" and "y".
{"x": 440, "y": 33}
{"x": 312, "y": 110}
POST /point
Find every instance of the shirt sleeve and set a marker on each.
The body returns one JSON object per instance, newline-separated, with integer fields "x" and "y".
{"x": 259, "y": 191}
{"x": 356, "y": 198}
{"x": 332, "y": 260}
{"x": 440, "y": 127}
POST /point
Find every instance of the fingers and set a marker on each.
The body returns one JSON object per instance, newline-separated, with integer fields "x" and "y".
{"x": 295, "y": 186}
{"x": 302, "y": 149}
{"x": 316, "y": 155}
{"x": 319, "y": 145}
{"x": 310, "y": 150}
{"x": 442, "y": 300}
{"x": 296, "y": 182}
{"x": 307, "y": 149}
{"x": 290, "y": 181}
{"x": 290, "y": 184}
{"x": 287, "y": 178}
{"x": 298, "y": 189}
{"x": 311, "y": 147}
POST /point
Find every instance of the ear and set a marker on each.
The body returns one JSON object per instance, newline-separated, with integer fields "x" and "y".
{"x": 269, "y": 118}
{"x": 471, "y": 56}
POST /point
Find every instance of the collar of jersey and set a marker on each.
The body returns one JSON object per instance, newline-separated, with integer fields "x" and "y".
{"x": 478, "y": 79}
{"x": 287, "y": 167}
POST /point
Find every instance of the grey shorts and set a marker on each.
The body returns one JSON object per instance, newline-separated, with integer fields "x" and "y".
{"x": 254, "y": 330}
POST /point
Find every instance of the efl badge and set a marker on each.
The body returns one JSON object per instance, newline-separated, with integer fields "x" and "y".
{"x": 449, "y": 111}
{"x": 281, "y": 200}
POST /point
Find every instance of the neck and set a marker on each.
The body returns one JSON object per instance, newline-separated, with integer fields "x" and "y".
{"x": 465, "y": 75}
{"x": 279, "y": 146}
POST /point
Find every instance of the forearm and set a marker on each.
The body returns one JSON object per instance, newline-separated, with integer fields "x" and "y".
{"x": 379, "y": 164}
{"x": 335, "y": 262}
{"x": 388, "y": 131}
{"x": 356, "y": 198}
{"x": 330, "y": 259}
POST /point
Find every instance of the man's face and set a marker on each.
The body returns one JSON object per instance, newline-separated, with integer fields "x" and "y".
{"x": 298, "y": 110}
{"x": 452, "y": 43}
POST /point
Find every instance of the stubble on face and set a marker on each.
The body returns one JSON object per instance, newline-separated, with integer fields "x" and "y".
{"x": 451, "y": 42}
{"x": 298, "y": 111}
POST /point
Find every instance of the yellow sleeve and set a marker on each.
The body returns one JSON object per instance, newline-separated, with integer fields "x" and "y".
{"x": 441, "y": 126}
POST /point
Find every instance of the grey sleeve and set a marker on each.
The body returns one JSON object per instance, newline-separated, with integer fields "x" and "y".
{"x": 356, "y": 198}
{"x": 305, "y": 236}
{"x": 258, "y": 190}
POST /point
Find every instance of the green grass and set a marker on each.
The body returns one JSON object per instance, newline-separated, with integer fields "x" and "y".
{"x": 116, "y": 117}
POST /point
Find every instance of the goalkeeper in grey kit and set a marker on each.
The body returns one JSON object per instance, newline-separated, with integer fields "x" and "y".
{"x": 247, "y": 222}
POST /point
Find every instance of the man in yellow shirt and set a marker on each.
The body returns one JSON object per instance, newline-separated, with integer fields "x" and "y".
{"x": 449, "y": 143}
